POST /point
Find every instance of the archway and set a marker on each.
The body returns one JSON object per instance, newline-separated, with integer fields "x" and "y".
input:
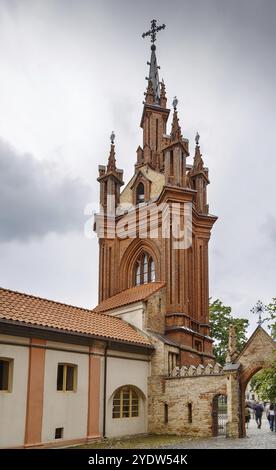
{"x": 249, "y": 400}
{"x": 257, "y": 354}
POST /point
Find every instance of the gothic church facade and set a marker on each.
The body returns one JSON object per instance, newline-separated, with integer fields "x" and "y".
{"x": 163, "y": 177}
{"x": 140, "y": 361}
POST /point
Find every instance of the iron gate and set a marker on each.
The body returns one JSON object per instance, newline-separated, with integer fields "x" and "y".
{"x": 219, "y": 415}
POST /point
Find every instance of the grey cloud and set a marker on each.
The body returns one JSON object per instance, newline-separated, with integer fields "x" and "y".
{"x": 270, "y": 227}
{"x": 35, "y": 200}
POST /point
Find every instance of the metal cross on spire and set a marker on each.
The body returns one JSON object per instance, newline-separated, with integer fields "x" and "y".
{"x": 259, "y": 309}
{"x": 152, "y": 32}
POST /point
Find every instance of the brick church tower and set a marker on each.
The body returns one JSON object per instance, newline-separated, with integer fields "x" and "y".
{"x": 136, "y": 262}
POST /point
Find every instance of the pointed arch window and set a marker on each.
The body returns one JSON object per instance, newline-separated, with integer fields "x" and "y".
{"x": 152, "y": 270}
{"x": 144, "y": 270}
{"x": 137, "y": 274}
{"x": 140, "y": 193}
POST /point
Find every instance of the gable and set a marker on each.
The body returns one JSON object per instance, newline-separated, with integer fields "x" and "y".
{"x": 156, "y": 179}
{"x": 257, "y": 353}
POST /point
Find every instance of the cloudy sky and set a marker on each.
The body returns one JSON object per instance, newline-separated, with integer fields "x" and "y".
{"x": 71, "y": 71}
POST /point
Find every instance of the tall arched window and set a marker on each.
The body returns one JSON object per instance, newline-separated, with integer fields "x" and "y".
{"x": 140, "y": 193}
{"x": 152, "y": 270}
{"x": 125, "y": 403}
{"x": 137, "y": 274}
{"x": 144, "y": 270}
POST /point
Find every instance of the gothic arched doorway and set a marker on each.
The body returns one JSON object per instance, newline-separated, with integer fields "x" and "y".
{"x": 257, "y": 354}
{"x": 219, "y": 415}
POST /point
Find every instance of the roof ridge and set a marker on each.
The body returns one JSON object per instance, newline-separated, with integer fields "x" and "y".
{"x": 136, "y": 287}
{"x": 150, "y": 286}
{"x": 58, "y": 303}
{"x": 21, "y": 308}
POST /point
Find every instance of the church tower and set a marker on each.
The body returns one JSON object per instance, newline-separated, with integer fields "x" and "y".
{"x": 163, "y": 178}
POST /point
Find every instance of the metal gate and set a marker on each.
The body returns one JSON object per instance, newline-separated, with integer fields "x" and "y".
{"x": 219, "y": 415}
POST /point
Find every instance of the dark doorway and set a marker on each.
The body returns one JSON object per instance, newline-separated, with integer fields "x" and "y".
{"x": 219, "y": 415}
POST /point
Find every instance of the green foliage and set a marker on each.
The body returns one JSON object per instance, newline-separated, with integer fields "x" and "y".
{"x": 271, "y": 310}
{"x": 264, "y": 383}
{"x": 220, "y": 320}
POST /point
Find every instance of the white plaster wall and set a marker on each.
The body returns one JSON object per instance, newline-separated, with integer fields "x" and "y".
{"x": 13, "y": 404}
{"x": 132, "y": 314}
{"x": 66, "y": 410}
{"x": 126, "y": 372}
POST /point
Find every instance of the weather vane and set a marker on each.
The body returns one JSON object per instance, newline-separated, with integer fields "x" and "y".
{"x": 258, "y": 309}
{"x": 152, "y": 32}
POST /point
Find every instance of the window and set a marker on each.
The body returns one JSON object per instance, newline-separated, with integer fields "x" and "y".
{"x": 198, "y": 345}
{"x": 144, "y": 270}
{"x": 59, "y": 433}
{"x": 140, "y": 193}
{"x": 125, "y": 403}
{"x": 166, "y": 413}
{"x": 67, "y": 378}
{"x": 152, "y": 270}
{"x": 6, "y": 366}
{"x": 137, "y": 274}
{"x": 190, "y": 413}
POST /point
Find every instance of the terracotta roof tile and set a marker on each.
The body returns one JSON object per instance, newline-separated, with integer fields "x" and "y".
{"x": 33, "y": 310}
{"x": 129, "y": 296}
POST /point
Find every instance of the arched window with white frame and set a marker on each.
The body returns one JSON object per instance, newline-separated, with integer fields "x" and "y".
{"x": 144, "y": 269}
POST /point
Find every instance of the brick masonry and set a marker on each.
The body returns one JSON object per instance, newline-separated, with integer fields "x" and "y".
{"x": 184, "y": 397}
{"x": 177, "y": 393}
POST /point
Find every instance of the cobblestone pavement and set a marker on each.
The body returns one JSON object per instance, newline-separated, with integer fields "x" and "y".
{"x": 256, "y": 439}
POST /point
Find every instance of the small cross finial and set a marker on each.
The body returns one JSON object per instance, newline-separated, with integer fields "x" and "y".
{"x": 258, "y": 309}
{"x": 153, "y": 30}
{"x": 197, "y": 137}
{"x": 175, "y": 103}
{"x": 112, "y": 137}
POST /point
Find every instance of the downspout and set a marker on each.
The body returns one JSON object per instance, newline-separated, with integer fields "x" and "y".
{"x": 104, "y": 390}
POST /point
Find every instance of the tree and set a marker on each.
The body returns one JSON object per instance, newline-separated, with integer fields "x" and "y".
{"x": 220, "y": 320}
{"x": 264, "y": 383}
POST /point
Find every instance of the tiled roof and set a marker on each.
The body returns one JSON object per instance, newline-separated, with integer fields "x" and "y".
{"x": 129, "y": 296}
{"x": 35, "y": 311}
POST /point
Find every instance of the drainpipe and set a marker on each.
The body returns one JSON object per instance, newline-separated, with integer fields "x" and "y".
{"x": 104, "y": 390}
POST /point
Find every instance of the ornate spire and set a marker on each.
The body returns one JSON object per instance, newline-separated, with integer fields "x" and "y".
{"x": 153, "y": 71}
{"x": 232, "y": 345}
{"x": 163, "y": 97}
{"x": 176, "y": 129}
{"x": 198, "y": 162}
{"x": 111, "y": 165}
{"x": 149, "y": 93}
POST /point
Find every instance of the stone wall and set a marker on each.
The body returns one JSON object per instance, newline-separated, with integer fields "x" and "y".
{"x": 182, "y": 402}
{"x": 192, "y": 385}
{"x": 189, "y": 403}
{"x": 155, "y": 312}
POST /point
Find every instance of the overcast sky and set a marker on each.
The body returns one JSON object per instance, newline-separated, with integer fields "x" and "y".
{"x": 71, "y": 71}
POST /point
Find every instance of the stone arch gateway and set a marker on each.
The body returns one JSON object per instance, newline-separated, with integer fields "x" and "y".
{"x": 257, "y": 354}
